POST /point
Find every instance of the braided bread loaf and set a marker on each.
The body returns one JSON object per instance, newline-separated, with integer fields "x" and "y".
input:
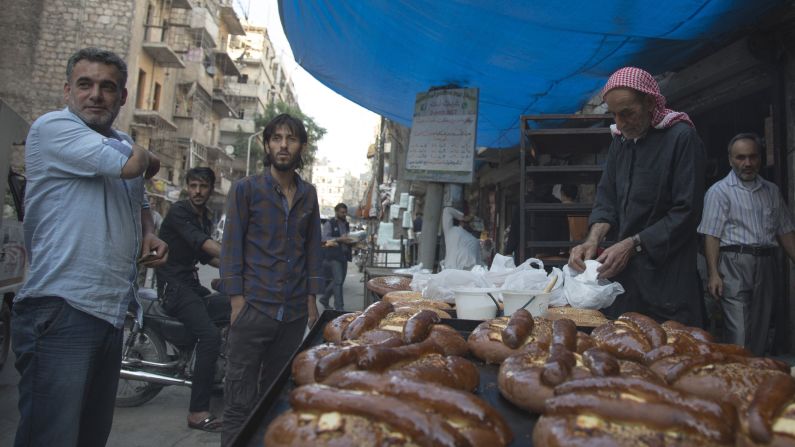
{"x": 496, "y": 339}
{"x": 365, "y": 408}
{"x": 529, "y": 378}
{"x": 621, "y": 411}
{"x": 425, "y": 360}
{"x": 380, "y": 321}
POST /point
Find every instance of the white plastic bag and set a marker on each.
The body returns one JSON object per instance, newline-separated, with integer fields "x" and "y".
{"x": 502, "y": 263}
{"x": 530, "y": 279}
{"x": 585, "y": 291}
{"x": 440, "y": 286}
{"x": 413, "y": 270}
{"x": 537, "y": 280}
{"x": 501, "y": 268}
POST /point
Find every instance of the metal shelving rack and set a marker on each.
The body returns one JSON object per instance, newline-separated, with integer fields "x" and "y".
{"x": 578, "y": 137}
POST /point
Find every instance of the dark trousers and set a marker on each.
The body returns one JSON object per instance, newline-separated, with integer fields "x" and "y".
{"x": 69, "y": 365}
{"x": 258, "y": 348}
{"x": 749, "y": 287}
{"x": 339, "y": 269}
{"x": 191, "y": 306}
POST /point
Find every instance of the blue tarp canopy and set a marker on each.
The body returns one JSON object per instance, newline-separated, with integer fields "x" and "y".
{"x": 526, "y": 57}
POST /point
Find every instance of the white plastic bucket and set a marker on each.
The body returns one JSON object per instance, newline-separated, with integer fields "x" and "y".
{"x": 514, "y": 299}
{"x": 473, "y": 303}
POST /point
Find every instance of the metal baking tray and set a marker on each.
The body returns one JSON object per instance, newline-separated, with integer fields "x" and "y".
{"x": 276, "y": 399}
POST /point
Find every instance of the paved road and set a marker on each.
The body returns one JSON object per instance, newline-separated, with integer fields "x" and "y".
{"x": 161, "y": 421}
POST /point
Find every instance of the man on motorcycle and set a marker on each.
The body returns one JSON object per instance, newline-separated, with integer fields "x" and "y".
{"x": 187, "y": 228}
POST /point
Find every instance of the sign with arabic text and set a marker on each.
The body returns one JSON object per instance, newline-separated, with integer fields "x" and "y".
{"x": 443, "y": 132}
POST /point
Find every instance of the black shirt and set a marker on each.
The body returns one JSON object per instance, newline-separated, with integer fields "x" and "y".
{"x": 185, "y": 232}
{"x": 654, "y": 187}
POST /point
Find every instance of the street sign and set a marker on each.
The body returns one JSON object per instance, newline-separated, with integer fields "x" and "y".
{"x": 443, "y": 132}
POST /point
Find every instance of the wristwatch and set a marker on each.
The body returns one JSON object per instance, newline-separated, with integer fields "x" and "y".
{"x": 636, "y": 243}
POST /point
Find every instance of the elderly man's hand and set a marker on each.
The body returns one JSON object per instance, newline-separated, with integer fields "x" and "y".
{"x": 580, "y": 253}
{"x": 715, "y": 286}
{"x": 615, "y": 258}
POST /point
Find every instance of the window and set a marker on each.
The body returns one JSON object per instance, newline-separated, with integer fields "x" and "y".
{"x": 140, "y": 98}
{"x": 156, "y": 97}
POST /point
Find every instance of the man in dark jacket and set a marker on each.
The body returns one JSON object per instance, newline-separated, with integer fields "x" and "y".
{"x": 650, "y": 195}
{"x": 337, "y": 254}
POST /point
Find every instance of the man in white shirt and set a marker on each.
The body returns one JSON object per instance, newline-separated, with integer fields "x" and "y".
{"x": 744, "y": 218}
{"x": 462, "y": 249}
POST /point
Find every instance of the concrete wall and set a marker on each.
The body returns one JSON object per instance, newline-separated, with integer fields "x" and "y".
{"x": 37, "y": 37}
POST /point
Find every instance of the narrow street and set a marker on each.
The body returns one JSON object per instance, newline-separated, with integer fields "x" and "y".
{"x": 161, "y": 421}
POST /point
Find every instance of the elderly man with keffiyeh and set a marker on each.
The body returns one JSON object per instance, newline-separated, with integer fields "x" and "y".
{"x": 648, "y": 201}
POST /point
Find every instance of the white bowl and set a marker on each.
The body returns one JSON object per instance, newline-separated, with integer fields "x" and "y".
{"x": 514, "y": 299}
{"x": 473, "y": 303}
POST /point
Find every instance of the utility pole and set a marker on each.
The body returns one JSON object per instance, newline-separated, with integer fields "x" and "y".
{"x": 248, "y": 151}
{"x": 431, "y": 218}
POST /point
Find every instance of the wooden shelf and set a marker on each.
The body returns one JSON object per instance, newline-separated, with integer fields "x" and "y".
{"x": 552, "y": 244}
{"x": 567, "y": 117}
{"x": 569, "y": 141}
{"x": 568, "y": 208}
{"x": 577, "y": 174}
{"x": 580, "y": 138}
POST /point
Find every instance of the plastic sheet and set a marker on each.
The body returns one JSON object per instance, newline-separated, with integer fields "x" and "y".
{"x": 525, "y": 56}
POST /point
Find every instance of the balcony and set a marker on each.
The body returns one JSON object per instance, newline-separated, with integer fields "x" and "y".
{"x": 196, "y": 72}
{"x": 201, "y": 19}
{"x": 181, "y": 4}
{"x": 152, "y": 118}
{"x": 234, "y": 125}
{"x": 191, "y": 130}
{"x": 221, "y": 106}
{"x": 226, "y": 64}
{"x": 156, "y": 45}
{"x": 218, "y": 154}
{"x": 232, "y": 22}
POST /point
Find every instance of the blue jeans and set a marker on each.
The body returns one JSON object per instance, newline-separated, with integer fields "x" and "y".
{"x": 339, "y": 269}
{"x": 69, "y": 364}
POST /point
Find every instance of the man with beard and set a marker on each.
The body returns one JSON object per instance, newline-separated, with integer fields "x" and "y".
{"x": 271, "y": 268}
{"x": 744, "y": 216}
{"x": 337, "y": 254}
{"x": 186, "y": 229}
{"x": 87, "y": 222}
{"x": 650, "y": 196}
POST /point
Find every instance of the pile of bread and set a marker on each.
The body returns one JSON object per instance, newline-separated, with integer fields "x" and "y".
{"x": 390, "y": 375}
{"x": 394, "y": 375}
{"x": 634, "y": 382}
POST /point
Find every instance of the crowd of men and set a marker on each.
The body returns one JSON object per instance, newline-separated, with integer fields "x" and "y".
{"x": 88, "y": 229}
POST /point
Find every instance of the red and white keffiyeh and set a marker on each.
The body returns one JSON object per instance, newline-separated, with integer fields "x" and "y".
{"x": 642, "y": 81}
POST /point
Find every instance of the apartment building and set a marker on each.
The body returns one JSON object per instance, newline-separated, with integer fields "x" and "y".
{"x": 262, "y": 81}
{"x": 177, "y": 62}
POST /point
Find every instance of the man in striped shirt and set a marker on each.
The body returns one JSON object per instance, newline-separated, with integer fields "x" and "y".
{"x": 744, "y": 216}
{"x": 271, "y": 268}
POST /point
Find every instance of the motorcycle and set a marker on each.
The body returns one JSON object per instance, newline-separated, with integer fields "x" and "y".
{"x": 161, "y": 352}
{"x": 359, "y": 255}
